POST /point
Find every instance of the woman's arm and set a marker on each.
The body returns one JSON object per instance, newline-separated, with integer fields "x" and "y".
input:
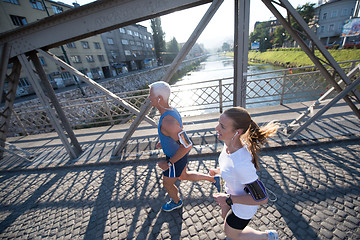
{"x": 245, "y": 199}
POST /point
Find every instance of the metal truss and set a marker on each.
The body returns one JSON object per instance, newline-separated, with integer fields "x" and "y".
{"x": 21, "y": 46}
{"x": 308, "y": 41}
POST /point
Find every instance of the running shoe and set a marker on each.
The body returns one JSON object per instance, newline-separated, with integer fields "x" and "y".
{"x": 218, "y": 183}
{"x": 272, "y": 235}
{"x": 169, "y": 206}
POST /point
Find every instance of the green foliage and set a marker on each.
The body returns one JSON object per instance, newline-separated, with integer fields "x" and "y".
{"x": 295, "y": 57}
{"x": 269, "y": 40}
{"x": 158, "y": 36}
{"x": 171, "y": 52}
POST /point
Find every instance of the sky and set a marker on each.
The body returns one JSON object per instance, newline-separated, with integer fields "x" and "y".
{"x": 219, "y": 30}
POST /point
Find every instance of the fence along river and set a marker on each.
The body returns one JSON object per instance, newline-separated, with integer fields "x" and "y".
{"x": 211, "y": 87}
{"x": 206, "y": 90}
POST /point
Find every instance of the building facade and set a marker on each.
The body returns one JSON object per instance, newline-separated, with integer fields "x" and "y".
{"x": 330, "y": 18}
{"x": 87, "y": 55}
{"x": 129, "y": 48}
{"x": 100, "y": 56}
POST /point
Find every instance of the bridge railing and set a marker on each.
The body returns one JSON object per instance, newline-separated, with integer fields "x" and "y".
{"x": 263, "y": 89}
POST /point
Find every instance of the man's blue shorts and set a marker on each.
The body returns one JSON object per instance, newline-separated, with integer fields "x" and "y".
{"x": 176, "y": 169}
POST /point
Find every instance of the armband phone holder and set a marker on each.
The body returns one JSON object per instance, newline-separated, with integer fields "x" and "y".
{"x": 257, "y": 190}
{"x": 184, "y": 139}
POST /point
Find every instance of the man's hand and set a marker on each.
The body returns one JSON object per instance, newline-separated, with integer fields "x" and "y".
{"x": 163, "y": 165}
{"x": 158, "y": 145}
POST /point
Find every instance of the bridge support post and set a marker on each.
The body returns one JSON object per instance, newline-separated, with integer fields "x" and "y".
{"x": 171, "y": 70}
{"x": 241, "y": 43}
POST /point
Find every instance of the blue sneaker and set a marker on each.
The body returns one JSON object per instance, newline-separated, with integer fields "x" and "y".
{"x": 272, "y": 235}
{"x": 217, "y": 183}
{"x": 169, "y": 206}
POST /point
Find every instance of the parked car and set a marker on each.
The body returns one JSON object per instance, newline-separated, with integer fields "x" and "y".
{"x": 352, "y": 44}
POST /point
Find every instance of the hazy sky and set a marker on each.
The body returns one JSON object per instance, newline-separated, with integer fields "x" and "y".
{"x": 221, "y": 27}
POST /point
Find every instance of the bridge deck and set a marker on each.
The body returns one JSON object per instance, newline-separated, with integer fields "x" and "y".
{"x": 98, "y": 143}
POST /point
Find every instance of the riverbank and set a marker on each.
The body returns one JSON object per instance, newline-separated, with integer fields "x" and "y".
{"x": 295, "y": 57}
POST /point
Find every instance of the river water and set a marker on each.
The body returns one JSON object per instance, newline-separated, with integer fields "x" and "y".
{"x": 218, "y": 67}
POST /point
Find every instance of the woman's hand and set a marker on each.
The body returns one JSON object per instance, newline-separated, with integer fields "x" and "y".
{"x": 220, "y": 198}
{"x": 214, "y": 172}
{"x": 163, "y": 164}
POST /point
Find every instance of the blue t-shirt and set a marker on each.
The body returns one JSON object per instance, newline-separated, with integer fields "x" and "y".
{"x": 169, "y": 145}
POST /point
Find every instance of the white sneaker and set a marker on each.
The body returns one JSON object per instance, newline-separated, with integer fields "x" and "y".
{"x": 272, "y": 235}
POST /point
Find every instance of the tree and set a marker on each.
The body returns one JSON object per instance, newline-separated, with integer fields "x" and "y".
{"x": 225, "y": 47}
{"x": 279, "y": 36}
{"x": 261, "y": 34}
{"x": 158, "y": 36}
{"x": 307, "y": 12}
{"x": 172, "y": 50}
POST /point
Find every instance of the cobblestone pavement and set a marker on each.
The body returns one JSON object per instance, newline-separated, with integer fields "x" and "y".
{"x": 315, "y": 192}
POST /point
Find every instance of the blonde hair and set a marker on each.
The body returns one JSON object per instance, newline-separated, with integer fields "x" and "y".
{"x": 253, "y": 135}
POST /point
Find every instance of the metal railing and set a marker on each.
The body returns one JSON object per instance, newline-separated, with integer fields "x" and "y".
{"x": 263, "y": 89}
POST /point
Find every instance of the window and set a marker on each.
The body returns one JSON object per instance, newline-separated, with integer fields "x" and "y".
{"x": 18, "y": 21}
{"x": 36, "y": 4}
{"x": 94, "y": 71}
{"x": 12, "y": 1}
{"x": 76, "y": 59}
{"x": 90, "y": 58}
{"x": 71, "y": 45}
{"x": 136, "y": 34}
{"x": 127, "y": 52}
{"x": 23, "y": 82}
{"x": 101, "y": 58}
{"x": 129, "y": 32}
{"x": 113, "y": 54}
{"x": 110, "y": 41}
{"x": 324, "y": 16}
{"x": 125, "y": 42}
{"x": 122, "y": 30}
{"x": 334, "y": 13}
{"x": 132, "y": 42}
{"x": 97, "y": 45}
{"x": 331, "y": 27}
{"x": 322, "y": 29}
{"x": 85, "y": 44}
{"x": 57, "y": 9}
{"x": 42, "y": 61}
{"x": 65, "y": 75}
{"x": 345, "y": 12}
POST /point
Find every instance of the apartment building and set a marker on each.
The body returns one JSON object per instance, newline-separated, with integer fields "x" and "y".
{"x": 330, "y": 18}
{"x": 129, "y": 48}
{"x": 87, "y": 55}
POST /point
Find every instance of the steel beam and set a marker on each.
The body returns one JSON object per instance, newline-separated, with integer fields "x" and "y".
{"x": 241, "y": 46}
{"x": 45, "y": 103}
{"x": 341, "y": 95}
{"x": 88, "y": 20}
{"x": 307, "y": 32}
{"x": 171, "y": 70}
{"x": 94, "y": 84}
{"x": 52, "y": 96}
{"x": 4, "y": 54}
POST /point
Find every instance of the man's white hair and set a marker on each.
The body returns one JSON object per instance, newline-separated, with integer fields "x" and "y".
{"x": 161, "y": 88}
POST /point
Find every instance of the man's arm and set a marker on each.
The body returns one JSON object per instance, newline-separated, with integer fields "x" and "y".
{"x": 171, "y": 127}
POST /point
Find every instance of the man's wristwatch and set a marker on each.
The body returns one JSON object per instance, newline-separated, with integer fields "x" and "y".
{"x": 169, "y": 163}
{"x": 228, "y": 200}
